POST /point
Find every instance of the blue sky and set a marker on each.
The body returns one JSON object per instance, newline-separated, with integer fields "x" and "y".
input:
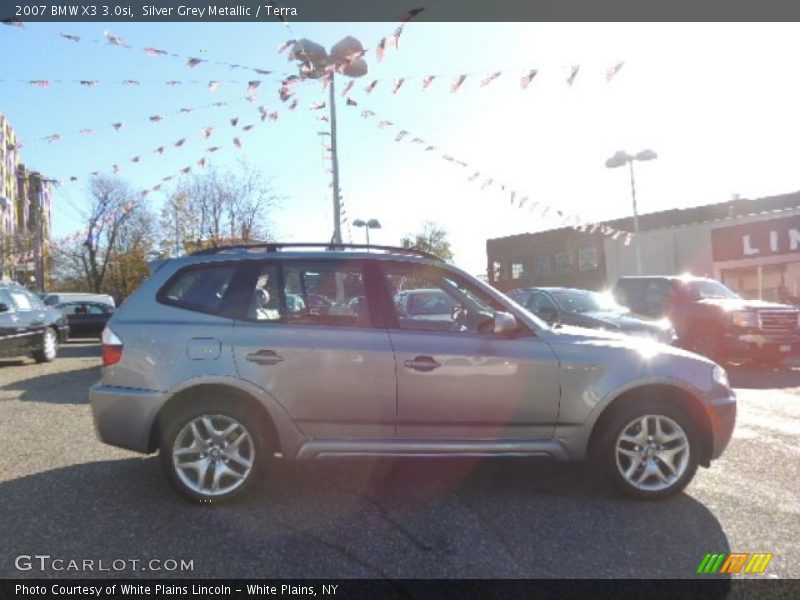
{"x": 716, "y": 101}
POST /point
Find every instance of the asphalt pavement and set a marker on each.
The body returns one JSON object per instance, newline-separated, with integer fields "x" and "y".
{"x": 67, "y": 496}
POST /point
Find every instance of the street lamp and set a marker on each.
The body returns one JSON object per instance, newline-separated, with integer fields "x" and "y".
{"x": 620, "y": 159}
{"x": 371, "y": 224}
{"x": 316, "y": 62}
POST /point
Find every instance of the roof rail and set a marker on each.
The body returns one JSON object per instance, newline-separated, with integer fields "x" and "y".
{"x": 276, "y": 246}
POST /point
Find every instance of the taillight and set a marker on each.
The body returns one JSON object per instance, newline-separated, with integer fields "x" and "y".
{"x": 112, "y": 347}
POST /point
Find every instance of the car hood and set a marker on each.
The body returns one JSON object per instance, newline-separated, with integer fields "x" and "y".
{"x": 611, "y": 320}
{"x": 603, "y": 339}
{"x": 728, "y": 304}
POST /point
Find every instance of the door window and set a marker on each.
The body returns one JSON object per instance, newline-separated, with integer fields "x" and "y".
{"x": 538, "y": 301}
{"x": 326, "y": 294}
{"x": 431, "y": 299}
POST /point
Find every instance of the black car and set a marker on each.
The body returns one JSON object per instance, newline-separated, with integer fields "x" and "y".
{"x": 713, "y": 320}
{"x": 27, "y": 326}
{"x": 86, "y": 319}
{"x": 583, "y": 308}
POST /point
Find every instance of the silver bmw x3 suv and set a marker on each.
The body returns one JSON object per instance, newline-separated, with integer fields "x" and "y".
{"x": 227, "y": 359}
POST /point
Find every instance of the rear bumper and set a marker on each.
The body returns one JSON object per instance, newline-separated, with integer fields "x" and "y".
{"x": 723, "y": 419}
{"x": 124, "y": 417}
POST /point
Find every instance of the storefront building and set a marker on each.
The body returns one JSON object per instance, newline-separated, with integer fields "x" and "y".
{"x": 753, "y": 246}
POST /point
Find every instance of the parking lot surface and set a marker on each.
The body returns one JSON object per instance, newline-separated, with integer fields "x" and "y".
{"x": 66, "y": 495}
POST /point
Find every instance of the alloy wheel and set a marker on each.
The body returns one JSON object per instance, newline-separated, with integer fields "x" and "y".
{"x": 652, "y": 453}
{"x": 213, "y": 455}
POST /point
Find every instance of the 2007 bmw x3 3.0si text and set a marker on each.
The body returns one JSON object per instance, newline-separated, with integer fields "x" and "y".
{"x": 226, "y": 357}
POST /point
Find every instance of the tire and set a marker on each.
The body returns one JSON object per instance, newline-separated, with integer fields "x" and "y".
{"x": 626, "y": 461}
{"x": 213, "y": 451}
{"x": 49, "y": 348}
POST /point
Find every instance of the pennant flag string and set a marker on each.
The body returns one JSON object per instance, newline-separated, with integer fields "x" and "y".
{"x": 205, "y": 133}
{"x": 517, "y": 199}
{"x": 525, "y": 78}
{"x": 252, "y": 84}
{"x": 119, "y": 125}
{"x": 109, "y": 39}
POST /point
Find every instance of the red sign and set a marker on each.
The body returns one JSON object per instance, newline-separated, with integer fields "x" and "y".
{"x": 755, "y": 240}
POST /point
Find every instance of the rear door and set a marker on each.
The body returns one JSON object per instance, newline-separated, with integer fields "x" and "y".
{"x": 310, "y": 337}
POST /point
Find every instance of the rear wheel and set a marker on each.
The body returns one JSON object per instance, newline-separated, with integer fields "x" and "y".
{"x": 214, "y": 451}
{"x": 649, "y": 450}
{"x": 49, "y": 348}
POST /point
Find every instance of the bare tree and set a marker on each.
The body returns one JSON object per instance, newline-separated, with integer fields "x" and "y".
{"x": 216, "y": 206}
{"x": 110, "y": 254}
{"x": 431, "y": 238}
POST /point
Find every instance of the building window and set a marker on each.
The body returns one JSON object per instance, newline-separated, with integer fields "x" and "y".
{"x": 497, "y": 270}
{"x": 564, "y": 262}
{"x": 517, "y": 270}
{"x": 541, "y": 265}
{"x": 587, "y": 258}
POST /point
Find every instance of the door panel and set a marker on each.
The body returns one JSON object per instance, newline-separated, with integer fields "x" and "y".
{"x": 485, "y": 386}
{"x": 335, "y": 382}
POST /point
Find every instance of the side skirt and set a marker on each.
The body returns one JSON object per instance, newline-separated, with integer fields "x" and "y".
{"x": 324, "y": 449}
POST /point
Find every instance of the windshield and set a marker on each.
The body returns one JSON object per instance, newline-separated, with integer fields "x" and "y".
{"x": 580, "y": 301}
{"x": 701, "y": 290}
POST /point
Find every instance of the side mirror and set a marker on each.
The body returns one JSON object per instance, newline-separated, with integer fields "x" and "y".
{"x": 4, "y": 307}
{"x": 505, "y": 323}
{"x": 548, "y": 313}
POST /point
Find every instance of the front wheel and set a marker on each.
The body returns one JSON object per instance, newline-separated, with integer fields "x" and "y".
{"x": 649, "y": 450}
{"x": 213, "y": 452}
{"x": 49, "y": 348}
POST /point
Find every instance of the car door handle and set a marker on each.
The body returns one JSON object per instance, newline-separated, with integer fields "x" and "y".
{"x": 264, "y": 357}
{"x": 422, "y": 363}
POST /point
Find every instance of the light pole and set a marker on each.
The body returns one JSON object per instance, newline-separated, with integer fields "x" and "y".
{"x": 620, "y": 159}
{"x": 371, "y": 224}
{"x": 316, "y": 62}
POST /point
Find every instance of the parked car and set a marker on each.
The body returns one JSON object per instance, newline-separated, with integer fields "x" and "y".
{"x": 56, "y": 298}
{"x": 86, "y": 319}
{"x": 27, "y": 326}
{"x": 713, "y": 320}
{"x": 583, "y": 308}
{"x": 191, "y": 371}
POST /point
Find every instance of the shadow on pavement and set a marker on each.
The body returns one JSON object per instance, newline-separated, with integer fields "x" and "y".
{"x": 751, "y": 378}
{"x": 66, "y": 387}
{"x": 81, "y": 349}
{"x": 393, "y": 518}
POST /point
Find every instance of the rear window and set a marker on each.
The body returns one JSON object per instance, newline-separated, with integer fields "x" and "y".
{"x": 199, "y": 288}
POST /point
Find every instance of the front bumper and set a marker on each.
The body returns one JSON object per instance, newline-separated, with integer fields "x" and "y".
{"x": 124, "y": 417}
{"x": 722, "y": 411}
{"x": 760, "y": 346}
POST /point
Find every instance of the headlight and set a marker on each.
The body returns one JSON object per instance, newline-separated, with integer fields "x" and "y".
{"x": 744, "y": 318}
{"x": 720, "y": 377}
{"x": 664, "y": 324}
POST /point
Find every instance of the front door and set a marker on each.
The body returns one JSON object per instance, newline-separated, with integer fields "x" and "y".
{"x": 455, "y": 378}
{"x": 308, "y": 338}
